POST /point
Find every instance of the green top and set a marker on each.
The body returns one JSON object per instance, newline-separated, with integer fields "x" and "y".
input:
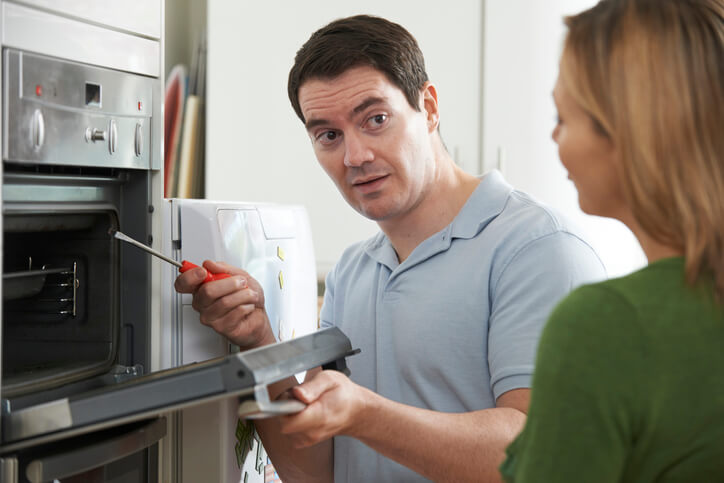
{"x": 628, "y": 386}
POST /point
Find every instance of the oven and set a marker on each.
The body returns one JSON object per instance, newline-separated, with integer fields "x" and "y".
{"x": 88, "y": 391}
{"x": 76, "y": 306}
{"x": 66, "y": 181}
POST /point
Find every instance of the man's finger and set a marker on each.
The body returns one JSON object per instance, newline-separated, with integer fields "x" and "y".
{"x": 189, "y": 281}
{"x": 223, "y": 297}
{"x": 311, "y": 391}
{"x": 221, "y": 267}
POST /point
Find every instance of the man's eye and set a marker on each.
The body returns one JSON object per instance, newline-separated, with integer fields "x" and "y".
{"x": 327, "y": 137}
{"x": 378, "y": 120}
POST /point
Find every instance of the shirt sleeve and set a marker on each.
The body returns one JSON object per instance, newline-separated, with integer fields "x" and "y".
{"x": 586, "y": 396}
{"x": 536, "y": 277}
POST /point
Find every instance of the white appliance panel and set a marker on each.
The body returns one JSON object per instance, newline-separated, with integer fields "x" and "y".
{"x": 203, "y": 342}
{"x": 271, "y": 242}
{"x": 137, "y": 16}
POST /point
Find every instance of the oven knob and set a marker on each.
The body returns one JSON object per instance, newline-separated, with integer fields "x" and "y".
{"x": 139, "y": 140}
{"x": 94, "y": 135}
{"x": 113, "y": 136}
{"x": 38, "y": 129}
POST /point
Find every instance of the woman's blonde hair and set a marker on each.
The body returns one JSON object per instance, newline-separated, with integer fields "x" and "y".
{"x": 651, "y": 75}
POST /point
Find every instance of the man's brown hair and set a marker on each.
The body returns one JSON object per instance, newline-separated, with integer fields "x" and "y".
{"x": 361, "y": 40}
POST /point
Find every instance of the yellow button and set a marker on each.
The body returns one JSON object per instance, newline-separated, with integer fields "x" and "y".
{"x": 280, "y": 253}
{"x": 281, "y": 280}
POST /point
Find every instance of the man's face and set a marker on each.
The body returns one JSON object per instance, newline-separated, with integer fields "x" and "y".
{"x": 370, "y": 141}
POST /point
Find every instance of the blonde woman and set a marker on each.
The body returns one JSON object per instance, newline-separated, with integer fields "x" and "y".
{"x": 629, "y": 381}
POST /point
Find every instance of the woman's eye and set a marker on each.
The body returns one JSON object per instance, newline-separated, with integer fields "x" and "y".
{"x": 559, "y": 121}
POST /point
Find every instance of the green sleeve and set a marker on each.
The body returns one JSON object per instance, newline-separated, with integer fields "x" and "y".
{"x": 586, "y": 390}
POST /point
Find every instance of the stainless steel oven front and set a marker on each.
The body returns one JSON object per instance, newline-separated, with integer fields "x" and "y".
{"x": 77, "y": 146}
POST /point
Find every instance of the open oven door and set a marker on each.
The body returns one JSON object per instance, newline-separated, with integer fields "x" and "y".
{"x": 244, "y": 375}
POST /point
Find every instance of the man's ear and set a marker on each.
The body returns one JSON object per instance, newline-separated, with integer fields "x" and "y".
{"x": 428, "y": 100}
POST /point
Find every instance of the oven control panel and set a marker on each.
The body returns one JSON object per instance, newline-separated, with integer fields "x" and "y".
{"x": 65, "y": 113}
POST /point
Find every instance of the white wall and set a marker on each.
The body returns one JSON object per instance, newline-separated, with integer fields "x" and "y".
{"x": 257, "y": 149}
{"x": 522, "y": 44}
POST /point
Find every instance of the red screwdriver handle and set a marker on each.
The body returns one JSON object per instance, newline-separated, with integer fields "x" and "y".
{"x": 210, "y": 277}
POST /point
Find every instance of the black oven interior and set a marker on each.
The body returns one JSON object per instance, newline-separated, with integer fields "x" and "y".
{"x": 55, "y": 265}
{"x": 75, "y": 301}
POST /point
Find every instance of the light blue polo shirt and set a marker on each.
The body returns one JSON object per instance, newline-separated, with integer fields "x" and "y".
{"x": 457, "y": 323}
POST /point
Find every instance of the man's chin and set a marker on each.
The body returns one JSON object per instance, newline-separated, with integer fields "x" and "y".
{"x": 376, "y": 214}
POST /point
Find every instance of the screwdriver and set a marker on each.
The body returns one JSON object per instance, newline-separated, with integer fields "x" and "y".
{"x": 182, "y": 266}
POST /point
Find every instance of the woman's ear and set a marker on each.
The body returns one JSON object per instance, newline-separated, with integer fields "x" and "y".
{"x": 428, "y": 99}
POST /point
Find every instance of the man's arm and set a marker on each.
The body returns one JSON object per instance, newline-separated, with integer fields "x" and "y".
{"x": 440, "y": 446}
{"x": 450, "y": 447}
{"x": 312, "y": 464}
{"x": 234, "y": 307}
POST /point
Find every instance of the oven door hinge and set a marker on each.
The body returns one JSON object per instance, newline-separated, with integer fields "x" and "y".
{"x": 119, "y": 373}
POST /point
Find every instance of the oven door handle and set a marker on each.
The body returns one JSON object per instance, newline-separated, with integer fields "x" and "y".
{"x": 62, "y": 464}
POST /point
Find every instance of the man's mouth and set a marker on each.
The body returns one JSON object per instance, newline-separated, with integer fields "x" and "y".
{"x": 369, "y": 184}
{"x": 365, "y": 181}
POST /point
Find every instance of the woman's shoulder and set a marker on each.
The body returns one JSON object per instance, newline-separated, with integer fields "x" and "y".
{"x": 596, "y": 299}
{"x": 594, "y": 335}
{"x": 622, "y": 296}
{"x": 599, "y": 311}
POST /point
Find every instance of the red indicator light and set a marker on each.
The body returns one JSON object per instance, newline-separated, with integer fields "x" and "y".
{"x": 140, "y": 105}
{"x": 38, "y": 90}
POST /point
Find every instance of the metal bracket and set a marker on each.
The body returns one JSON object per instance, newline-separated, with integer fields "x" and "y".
{"x": 262, "y": 407}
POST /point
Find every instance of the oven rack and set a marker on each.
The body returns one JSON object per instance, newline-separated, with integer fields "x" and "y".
{"x": 48, "y": 291}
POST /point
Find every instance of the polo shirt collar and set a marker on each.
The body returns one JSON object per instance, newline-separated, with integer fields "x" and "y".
{"x": 484, "y": 204}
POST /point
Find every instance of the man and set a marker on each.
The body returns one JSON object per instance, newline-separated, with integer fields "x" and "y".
{"x": 446, "y": 302}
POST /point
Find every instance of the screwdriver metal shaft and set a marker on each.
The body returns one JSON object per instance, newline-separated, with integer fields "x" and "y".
{"x": 126, "y": 238}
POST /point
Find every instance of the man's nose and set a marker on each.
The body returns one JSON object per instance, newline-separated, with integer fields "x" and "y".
{"x": 356, "y": 150}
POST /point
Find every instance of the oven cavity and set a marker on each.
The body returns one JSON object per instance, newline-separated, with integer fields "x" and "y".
{"x": 59, "y": 299}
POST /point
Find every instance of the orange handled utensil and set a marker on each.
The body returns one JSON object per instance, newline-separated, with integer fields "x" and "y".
{"x": 183, "y": 266}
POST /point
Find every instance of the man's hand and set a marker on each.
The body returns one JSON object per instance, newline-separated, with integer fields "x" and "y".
{"x": 233, "y": 307}
{"x": 335, "y": 405}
